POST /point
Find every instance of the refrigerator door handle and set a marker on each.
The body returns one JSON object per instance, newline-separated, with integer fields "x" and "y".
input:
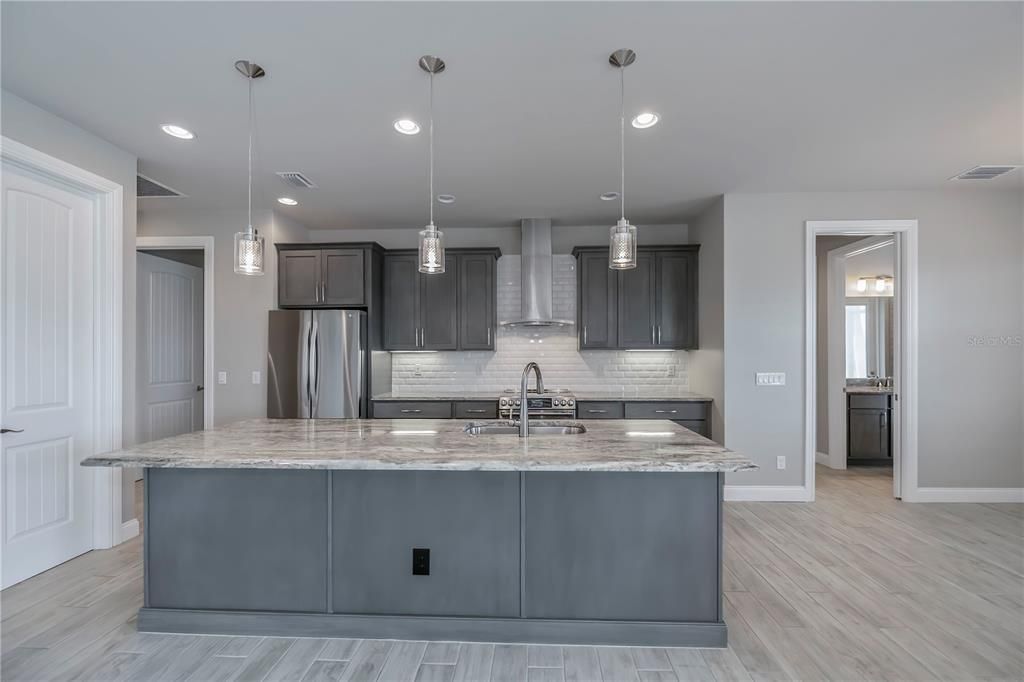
{"x": 315, "y": 367}
{"x": 305, "y": 374}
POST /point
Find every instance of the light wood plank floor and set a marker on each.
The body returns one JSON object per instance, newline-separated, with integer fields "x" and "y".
{"x": 854, "y": 586}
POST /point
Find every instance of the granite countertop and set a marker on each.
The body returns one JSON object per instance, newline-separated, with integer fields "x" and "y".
{"x": 431, "y": 444}
{"x": 678, "y": 397}
{"x": 868, "y": 389}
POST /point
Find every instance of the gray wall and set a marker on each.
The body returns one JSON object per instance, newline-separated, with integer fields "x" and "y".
{"x": 823, "y": 246}
{"x": 240, "y": 302}
{"x": 971, "y": 283}
{"x": 563, "y": 237}
{"x": 39, "y": 129}
{"x": 707, "y": 365}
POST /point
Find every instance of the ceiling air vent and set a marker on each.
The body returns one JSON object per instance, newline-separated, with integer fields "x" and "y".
{"x": 984, "y": 172}
{"x": 296, "y": 179}
{"x": 148, "y": 188}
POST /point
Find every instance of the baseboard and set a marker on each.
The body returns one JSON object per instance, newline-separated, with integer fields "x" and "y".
{"x": 981, "y": 495}
{"x": 821, "y": 458}
{"x": 766, "y": 493}
{"x": 129, "y": 529}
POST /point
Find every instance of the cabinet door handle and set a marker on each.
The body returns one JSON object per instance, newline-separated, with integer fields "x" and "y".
{"x": 659, "y": 334}
{"x": 665, "y": 411}
{"x": 11, "y": 430}
{"x": 488, "y": 336}
{"x": 652, "y": 333}
{"x": 597, "y": 411}
{"x": 411, "y": 411}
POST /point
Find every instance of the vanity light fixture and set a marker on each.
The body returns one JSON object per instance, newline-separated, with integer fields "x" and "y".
{"x": 862, "y": 284}
{"x": 646, "y": 119}
{"x": 248, "y": 243}
{"x": 407, "y": 126}
{"x": 287, "y": 201}
{"x": 178, "y": 131}
{"x": 431, "y": 248}
{"x": 882, "y": 282}
{"x": 622, "y": 238}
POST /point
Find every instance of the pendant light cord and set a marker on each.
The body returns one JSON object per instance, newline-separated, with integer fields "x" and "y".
{"x": 622, "y": 140}
{"x": 431, "y": 136}
{"x": 250, "y": 230}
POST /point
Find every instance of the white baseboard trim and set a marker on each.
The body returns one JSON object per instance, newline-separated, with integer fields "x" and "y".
{"x": 129, "y": 529}
{"x": 821, "y": 458}
{"x": 766, "y": 493}
{"x": 981, "y": 495}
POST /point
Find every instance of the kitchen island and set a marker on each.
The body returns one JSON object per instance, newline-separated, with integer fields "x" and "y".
{"x": 420, "y": 530}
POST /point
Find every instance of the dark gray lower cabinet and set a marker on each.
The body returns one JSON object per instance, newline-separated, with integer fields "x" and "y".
{"x": 546, "y": 557}
{"x": 868, "y": 427}
{"x": 621, "y": 546}
{"x": 236, "y": 539}
{"x": 468, "y": 520}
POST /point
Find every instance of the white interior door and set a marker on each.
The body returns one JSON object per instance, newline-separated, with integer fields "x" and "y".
{"x": 46, "y": 385}
{"x": 170, "y": 347}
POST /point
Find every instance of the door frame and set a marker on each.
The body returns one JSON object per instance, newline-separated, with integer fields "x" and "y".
{"x": 205, "y": 244}
{"x": 108, "y": 330}
{"x": 905, "y": 400}
{"x": 836, "y": 351}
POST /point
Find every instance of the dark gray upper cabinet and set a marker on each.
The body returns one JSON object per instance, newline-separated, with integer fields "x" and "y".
{"x": 439, "y": 322}
{"x": 478, "y": 313}
{"x": 298, "y": 278}
{"x": 327, "y": 275}
{"x": 454, "y": 310}
{"x": 637, "y": 309}
{"x": 596, "y": 294}
{"x": 401, "y": 302}
{"x": 651, "y": 306}
{"x": 343, "y": 272}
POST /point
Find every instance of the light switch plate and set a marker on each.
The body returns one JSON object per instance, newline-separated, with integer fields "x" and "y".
{"x": 256, "y": 377}
{"x": 222, "y": 377}
{"x": 770, "y": 379}
{"x": 780, "y": 462}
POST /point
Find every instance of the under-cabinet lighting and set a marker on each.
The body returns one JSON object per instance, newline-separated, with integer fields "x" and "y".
{"x": 414, "y": 433}
{"x": 649, "y": 433}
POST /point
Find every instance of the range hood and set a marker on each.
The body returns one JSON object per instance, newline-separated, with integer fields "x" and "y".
{"x": 536, "y": 276}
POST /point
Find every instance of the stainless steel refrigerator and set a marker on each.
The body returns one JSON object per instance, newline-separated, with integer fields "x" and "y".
{"x": 317, "y": 364}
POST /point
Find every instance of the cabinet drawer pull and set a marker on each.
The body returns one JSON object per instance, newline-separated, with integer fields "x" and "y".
{"x": 411, "y": 411}
{"x": 665, "y": 411}
{"x": 476, "y": 411}
{"x": 597, "y": 411}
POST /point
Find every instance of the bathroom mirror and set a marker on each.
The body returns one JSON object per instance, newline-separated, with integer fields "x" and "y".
{"x": 868, "y": 336}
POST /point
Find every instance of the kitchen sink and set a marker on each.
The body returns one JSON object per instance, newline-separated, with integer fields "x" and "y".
{"x": 539, "y": 428}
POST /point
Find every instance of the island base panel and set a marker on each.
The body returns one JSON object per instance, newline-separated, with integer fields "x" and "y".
{"x": 569, "y": 557}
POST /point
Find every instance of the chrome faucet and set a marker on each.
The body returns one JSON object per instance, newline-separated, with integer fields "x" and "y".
{"x": 524, "y": 408}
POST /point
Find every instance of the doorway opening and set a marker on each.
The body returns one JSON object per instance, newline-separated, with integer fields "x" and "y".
{"x": 861, "y": 341}
{"x": 174, "y": 349}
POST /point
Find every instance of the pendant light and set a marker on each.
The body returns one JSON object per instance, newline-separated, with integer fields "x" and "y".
{"x": 431, "y": 258}
{"x": 248, "y": 243}
{"x": 622, "y": 243}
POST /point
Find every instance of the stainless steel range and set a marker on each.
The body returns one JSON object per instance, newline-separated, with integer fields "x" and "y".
{"x": 550, "y": 404}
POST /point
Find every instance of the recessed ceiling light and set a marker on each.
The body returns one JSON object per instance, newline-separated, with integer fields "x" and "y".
{"x": 609, "y": 196}
{"x": 407, "y": 126}
{"x": 645, "y": 119}
{"x": 287, "y": 201}
{"x": 177, "y": 131}
{"x": 446, "y": 198}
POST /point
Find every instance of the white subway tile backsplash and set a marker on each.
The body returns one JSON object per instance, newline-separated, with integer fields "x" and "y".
{"x": 617, "y": 373}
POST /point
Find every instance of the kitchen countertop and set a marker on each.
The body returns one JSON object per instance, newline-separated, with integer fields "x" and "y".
{"x": 678, "y": 397}
{"x": 868, "y": 389}
{"x": 430, "y": 444}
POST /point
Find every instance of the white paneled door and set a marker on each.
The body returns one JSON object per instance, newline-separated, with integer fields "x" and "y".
{"x": 46, "y": 380}
{"x": 170, "y": 344}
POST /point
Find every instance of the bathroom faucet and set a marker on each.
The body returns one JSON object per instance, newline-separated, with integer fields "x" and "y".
{"x": 524, "y": 408}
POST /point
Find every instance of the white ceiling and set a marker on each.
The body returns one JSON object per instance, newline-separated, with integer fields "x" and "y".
{"x": 753, "y": 97}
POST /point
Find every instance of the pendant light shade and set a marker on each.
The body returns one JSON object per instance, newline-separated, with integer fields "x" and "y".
{"x": 622, "y": 238}
{"x": 249, "y": 246}
{"x": 431, "y": 253}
